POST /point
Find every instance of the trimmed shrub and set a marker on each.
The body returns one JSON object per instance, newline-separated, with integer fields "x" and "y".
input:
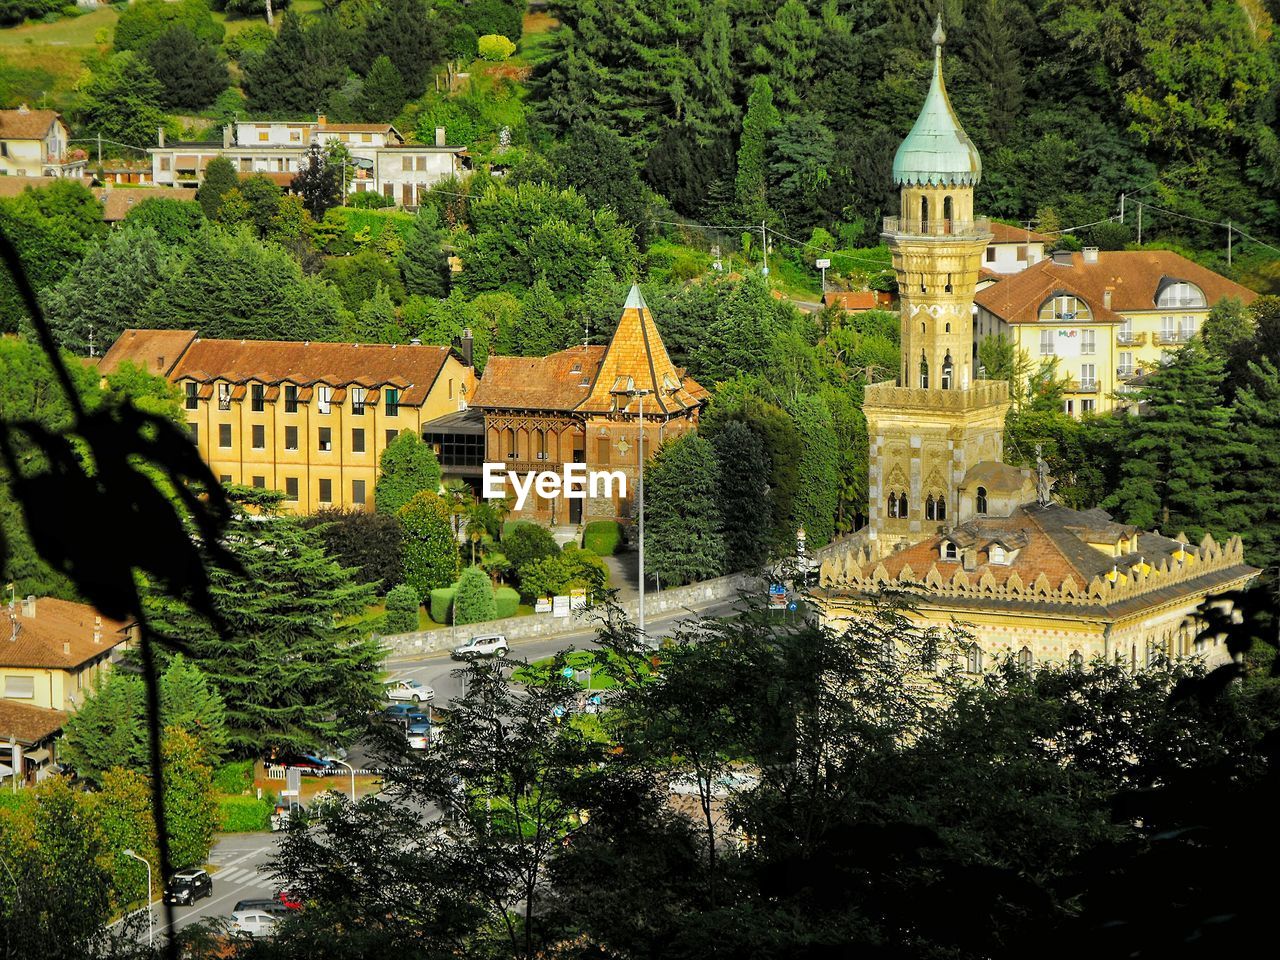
{"x": 234, "y": 777}
{"x": 474, "y": 598}
{"x": 442, "y": 603}
{"x": 402, "y": 609}
{"x": 495, "y": 47}
{"x": 430, "y": 550}
{"x": 506, "y": 602}
{"x": 602, "y": 537}
{"x": 243, "y": 814}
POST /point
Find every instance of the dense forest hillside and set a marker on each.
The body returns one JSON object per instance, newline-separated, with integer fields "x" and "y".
{"x": 1071, "y": 103}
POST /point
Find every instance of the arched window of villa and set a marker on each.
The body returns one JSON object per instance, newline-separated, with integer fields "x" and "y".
{"x": 981, "y": 500}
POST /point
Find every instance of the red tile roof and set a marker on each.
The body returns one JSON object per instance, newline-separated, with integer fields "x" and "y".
{"x": 1004, "y": 233}
{"x": 156, "y": 351}
{"x": 61, "y": 636}
{"x": 851, "y": 299}
{"x": 118, "y": 201}
{"x": 560, "y": 381}
{"x": 1134, "y": 278}
{"x": 28, "y": 724}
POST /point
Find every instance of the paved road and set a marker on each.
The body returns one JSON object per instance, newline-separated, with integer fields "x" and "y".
{"x": 437, "y": 670}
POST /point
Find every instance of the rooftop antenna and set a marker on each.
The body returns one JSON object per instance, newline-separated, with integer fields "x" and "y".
{"x": 1042, "y": 477}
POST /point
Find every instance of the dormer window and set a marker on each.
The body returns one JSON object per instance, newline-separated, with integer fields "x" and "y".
{"x": 949, "y": 551}
{"x": 357, "y": 400}
{"x": 997, "y": 554}
{"x": 324, "y": 396}
{"x": 1063, "y": 307}
{"x": 1180, "y": 293}
{"x": 224, "y": 396}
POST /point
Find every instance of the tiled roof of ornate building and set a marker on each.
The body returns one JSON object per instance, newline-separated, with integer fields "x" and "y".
{"x": 57, "y": 634}
{"x": 592, "y": 379}
{"x": 1046, "y": 555}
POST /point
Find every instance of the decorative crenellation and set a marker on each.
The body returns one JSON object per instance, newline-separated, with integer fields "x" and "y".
{"x": 981, "y": 394}
{"x": 845, "y": 572}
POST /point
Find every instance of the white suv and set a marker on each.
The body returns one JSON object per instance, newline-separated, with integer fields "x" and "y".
{"x": 407, "y": 689}
{"x": 492, "y": 645}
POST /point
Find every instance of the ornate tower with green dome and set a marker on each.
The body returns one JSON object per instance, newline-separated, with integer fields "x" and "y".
{"x": 937, "y": 421}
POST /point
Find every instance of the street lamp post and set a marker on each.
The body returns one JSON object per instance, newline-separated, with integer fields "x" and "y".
{"x": 151, "y": 933}
{"x": 640, "y": 395}
{"x": 353, "y": 776}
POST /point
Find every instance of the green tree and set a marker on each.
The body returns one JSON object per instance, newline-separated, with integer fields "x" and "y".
{"x": 525, "y": 542}
{"x": 815, "y": 503}
{"x": 191, "y": 73}
{"x": 406, "y": 33}
{"x": 758, "y": 124}
{"x": 744, "y": 495}
{"x": 122, "y": 806}
{"x": 190, "y": 807}
{"x": 174, "y": 221}
{"x": 430, "y": 547}
{"x": 220, "y": 178}
{"x": 407, "y": 467}
{"x": 1175, "y": 458}
{"x": 375, "y": 321}
{"x": 144, "y": 22}
{"x": 422, "y": 265}
{"x": 560, "y": 573}
{"x": 544, "y": 328}
{"x": 1252, "y": 484}
{"x": 229, "y": 284}
{"x": 123, "y": 101}
{"x": 383, "y": 94}
{"x": 289, "y": 604}
{"x": 299, "y": 69}
{"x": 402, "y": 609}
{"x": 100, "y": 296}
{"x": 685, "y": 528}
{"x": 319, "y": 181}
{"x": 366, "y": 543}
{"x": 474, "y": 602}
{"x": 598, "y": 163}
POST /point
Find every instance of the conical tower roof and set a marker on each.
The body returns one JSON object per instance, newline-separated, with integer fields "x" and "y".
{"x": 937, "y": 151}
{"x": 637, "y": 359}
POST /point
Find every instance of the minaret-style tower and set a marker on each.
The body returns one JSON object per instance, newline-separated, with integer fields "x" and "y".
{"x": 927, "y": 430}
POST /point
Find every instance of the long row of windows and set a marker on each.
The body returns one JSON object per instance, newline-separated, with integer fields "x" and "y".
{"x": 324, "y": 488}
{"x": 975, "y": 660}
{"x": 323, "y": 396}
{"x": 935, "y": 506}
{"x": 258, "y": 437}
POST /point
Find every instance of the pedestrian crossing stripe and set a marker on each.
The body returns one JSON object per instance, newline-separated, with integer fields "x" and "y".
{"x": 247, "y": 876}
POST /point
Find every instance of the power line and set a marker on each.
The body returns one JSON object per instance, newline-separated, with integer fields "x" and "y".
{"x": 837, "y": 253}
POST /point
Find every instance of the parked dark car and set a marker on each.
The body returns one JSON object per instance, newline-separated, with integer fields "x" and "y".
{"x": 188, "y": 886}
{"x": 406, "y": 713}
{"x": 303, "y": 761}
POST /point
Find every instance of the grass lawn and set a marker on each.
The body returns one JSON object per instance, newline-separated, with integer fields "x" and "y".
{"x": 601, "y": 679}
{"x": 40, "y": 62}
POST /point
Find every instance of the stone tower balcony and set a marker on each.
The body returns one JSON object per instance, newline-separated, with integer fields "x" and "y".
{"x": 982, "y": 393}
{"x": 936, "y": 227}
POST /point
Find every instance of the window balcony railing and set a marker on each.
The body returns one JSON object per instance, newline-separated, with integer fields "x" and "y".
{"x": 939, "y": 227}
{"x": 1083, "y": 386}
{"x": 1167, "y": 338}
{"x": 1131, "y": 339}
{"x": 1181, "y": 302}
{"x": 1124, "y": 373}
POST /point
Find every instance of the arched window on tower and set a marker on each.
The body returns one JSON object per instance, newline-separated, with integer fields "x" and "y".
{"x": 902, "y": 505}
{"x": 946, "y": 371}
{"x": 981, "y": 500}
{"x": 947, "y": 214}
{"x": 948, "y": 284}
{"x": 935, "y": 508}
{"x": 924, "y": 214}
{"x": 929, "y": 507}
{"x": 1075, "y": 661}
{"x": 1025, "y": 658}
{"x": 893, "y": 505}
{"x": 924, "y": 372}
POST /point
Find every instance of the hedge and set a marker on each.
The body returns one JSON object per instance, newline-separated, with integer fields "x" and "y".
{"x": 244, "y": 814}
{"x": 441, "y": 603}
{"x": 602, "y": 537}
{"x": 402, "y": 609}
{"x": 506, "y": 601}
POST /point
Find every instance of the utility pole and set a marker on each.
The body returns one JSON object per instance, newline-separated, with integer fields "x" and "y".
{"x": 100, "y": 149}
{"x": 640, "y": 395}
{"x": 1228, "y": 243}
{"x": 764, "y": 248}
{"x": 1139, "y": 223}
{"x": 1122, "y": 208}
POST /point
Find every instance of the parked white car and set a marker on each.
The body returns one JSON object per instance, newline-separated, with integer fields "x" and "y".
{"x": 407, "y": 689}
{"x": 253, "y": 922}
{"x": 491, "y": 645}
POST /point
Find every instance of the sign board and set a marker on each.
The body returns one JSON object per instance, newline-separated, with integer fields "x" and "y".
{"x": 542, "y": 605}
{"x": 293, "y": 780}
{"x": 1067, "y": 343}
{"x": 577, "y": 598}
{"x": 777, "y": 596}
{"x": 560, "y": 606}
{"x": 567, "y": 673}
{"x": 557, "y": 711}
{"x": 822, "y": 264}
{"x": 288, "y": 793}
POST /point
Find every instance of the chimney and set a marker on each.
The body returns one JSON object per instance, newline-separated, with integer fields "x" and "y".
{"x": 29, "y": 607}
{"x": 160, "y": 136}
{"x": 97, "y": 630}
{"x": 1062, "y": 258}
{"x": 321, "y": 120}
{"x": 226, "y": 137}
{"x": 1090, "y": 254}
{"x": 466, "y": 345}
{"x": 1106, "y": 298}
{"x": 415, "y": 341}
{"x": 970, "y": 557}
{"x": 440, "y": 141}
{"x": 66, "y": 648}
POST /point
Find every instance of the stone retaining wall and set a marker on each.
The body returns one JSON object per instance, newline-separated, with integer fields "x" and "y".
{"x": 664, "y": 603}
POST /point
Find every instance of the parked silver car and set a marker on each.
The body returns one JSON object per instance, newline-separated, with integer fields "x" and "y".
{"x": 490, "y": 645}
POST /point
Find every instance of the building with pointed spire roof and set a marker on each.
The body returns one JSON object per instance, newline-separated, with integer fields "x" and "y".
{"x": 582, "y": 405}
{"x": 979, "y": 542}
